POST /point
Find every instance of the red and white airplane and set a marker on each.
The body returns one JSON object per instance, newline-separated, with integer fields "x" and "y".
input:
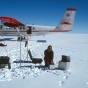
{"x": 15, "y": 26}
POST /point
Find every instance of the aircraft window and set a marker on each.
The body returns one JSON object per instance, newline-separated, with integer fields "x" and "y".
{"x": 14, "y": 27}
{"x": 20, "y": 28}
{"x": 33, "y": 28}
{"x": 23, "y": 27}
{"x": 29, "y": 27}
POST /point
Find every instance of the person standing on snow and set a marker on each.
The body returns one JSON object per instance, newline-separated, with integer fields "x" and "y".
{"x": 48, "y": 56}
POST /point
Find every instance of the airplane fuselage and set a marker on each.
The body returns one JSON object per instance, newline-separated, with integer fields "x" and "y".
{"x": 36, "y": 30}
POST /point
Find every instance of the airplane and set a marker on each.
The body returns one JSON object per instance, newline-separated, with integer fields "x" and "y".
{"x": 12, "y": 27}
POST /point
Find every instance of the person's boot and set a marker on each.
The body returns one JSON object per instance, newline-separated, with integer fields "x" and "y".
{"x": 46, "y": 64}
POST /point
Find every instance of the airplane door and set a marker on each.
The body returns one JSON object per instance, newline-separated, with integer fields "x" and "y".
{"x": 29, "y": 31}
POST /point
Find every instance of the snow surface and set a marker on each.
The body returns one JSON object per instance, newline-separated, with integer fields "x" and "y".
{"x": 28, "y": 75}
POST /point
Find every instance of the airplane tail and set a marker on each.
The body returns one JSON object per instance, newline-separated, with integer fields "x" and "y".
{"x": 67, "y": 21}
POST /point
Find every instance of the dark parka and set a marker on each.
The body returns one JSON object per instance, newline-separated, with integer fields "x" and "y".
{"x": 48, "y": 54}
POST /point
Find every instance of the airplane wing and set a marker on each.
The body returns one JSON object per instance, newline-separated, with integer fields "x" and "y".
{"x": 10, "y": 22}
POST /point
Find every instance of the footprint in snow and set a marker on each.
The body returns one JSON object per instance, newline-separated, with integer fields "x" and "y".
{"x": 61, "y": 83}
{"x": 23, "y": 77}
{"x": 65, "y": 77}
{"x": 67, "y": 72}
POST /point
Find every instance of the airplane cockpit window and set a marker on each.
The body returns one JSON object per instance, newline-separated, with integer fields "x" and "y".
{"x": 7, "y": 28}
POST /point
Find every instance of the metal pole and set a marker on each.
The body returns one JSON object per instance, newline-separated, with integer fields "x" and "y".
{"x": 27, "y": 48}
{"x": 20, "y": 51}
{"x": 20, "y": 44}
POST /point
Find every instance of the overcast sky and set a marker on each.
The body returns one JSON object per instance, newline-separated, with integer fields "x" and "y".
{"x": 46, "y": 12}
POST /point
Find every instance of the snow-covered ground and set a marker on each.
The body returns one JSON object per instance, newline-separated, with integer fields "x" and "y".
{"x": 28, "y": 75}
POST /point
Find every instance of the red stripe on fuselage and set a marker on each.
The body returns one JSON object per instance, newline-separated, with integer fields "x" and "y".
{"x": 38, "y": 31}
{"x": 59, "y": 30}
